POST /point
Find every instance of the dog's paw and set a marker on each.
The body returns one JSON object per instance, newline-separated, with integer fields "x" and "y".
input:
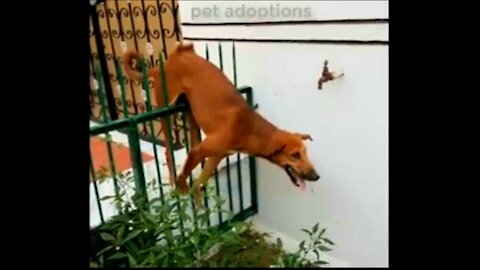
{"x": 182, "y": 184}
{"x": 197, "y": 198}
{"x": 183, "y": 189}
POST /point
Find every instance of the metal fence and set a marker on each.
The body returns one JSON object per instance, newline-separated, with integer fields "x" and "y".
{"x": 151, "y": 27}
{"x": 122, "y": 107}
{"x": 131, "y": 124}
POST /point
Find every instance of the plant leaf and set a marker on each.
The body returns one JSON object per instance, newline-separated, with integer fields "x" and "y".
{"x": 322, "y": 232}
{"x": 131, "y": 235}
{"x": 279, "y": 243}
{"x": 168, "y": 235}
{"x": 328, "y": 241}
{"x": 120, "y": 232}
{"x": 131, "y": 260}
{"x": 150, "y": 217}
{"x": 315, "y": 228}
{"x": 306, "y": 231}
{"x": 104, "y": 250}
{"x": 165, "y": 264}
{"x": 324, "y": 248}
{"x": 320, "y": 263}
{"x": 107, "y": 237}
{"x": 317, "y": 254}
{"x": 302, "y": 245}
{"x": 104, "y": 198}
{"x": 117, "y": 256}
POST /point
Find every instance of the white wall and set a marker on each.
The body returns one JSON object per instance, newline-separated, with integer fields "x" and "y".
{"x": 204, "y": 11}
{"x": 348, "y": 120}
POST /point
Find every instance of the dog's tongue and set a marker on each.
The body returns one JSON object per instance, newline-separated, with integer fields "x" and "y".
{"x": 302, "y": 184}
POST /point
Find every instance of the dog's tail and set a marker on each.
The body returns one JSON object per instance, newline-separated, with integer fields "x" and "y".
{"x": 132, "y": 64}
{"x": 184, "y": 45}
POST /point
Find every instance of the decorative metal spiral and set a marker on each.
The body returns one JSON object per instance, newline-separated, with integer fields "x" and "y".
{"x": 129, "y": 103}
{"x": 144, "y": 131}
{"x": 105, "y": 34}
{"x": 155, "y": 34}
{"x": 94, "y": 56}
{"x": 140, "y": 33}
{"x": 125, "y": 80}
{"x": 120, "y": 24}
{"x": 151, "y": 84}
{"x": 118, "y": 103}
{"x": 113, "y": 13}
{"x": 135, "y": 83}
{"x": 101, "y": 13}
{"x": 116, "y": 33}
{"x": 141, "y": 107}
{"x": 113, "y": 77}
{"x": 128, "y": 34}
{"x": 148, "y": 63}
{"x": 124, "y": 12}
{"x": 164, "y": 8}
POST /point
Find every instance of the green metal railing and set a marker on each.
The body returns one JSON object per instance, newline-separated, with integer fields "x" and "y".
{"x": 129, "y": 127}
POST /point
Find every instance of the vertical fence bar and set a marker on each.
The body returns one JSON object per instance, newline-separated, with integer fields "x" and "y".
{"x": 135, "y": 42}
{"x": 114, "y": 55}
{"x": 107, "y": 135}
{"x": 165, "y": 99}
{"x": 161, "y": 7}
{"x": 217, "y": 184}
{"x": 164, "y": 42}
{"x": 122, "y": 87}
{"x": 168, "y": 127}
{"x": 239, "y": 168}
{"x": 147, "y": 28}
{"x": 229, "y": 180}
{"x": 134, "y": 34}
{"x": 103, "y": 63}
{"x": 136, "y": 156}
{"x": 187, "y": 148}
{"x": 176, "y": 27}
{"x": 95, "y": 187}
{"x": 146, "y": 88}
{"x": 205, "y": 199}
{"x": 123, "y": 35}
{"x": 252, "y": 165}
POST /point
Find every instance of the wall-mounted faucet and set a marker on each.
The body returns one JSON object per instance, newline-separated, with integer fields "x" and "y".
{"x": 327, "y": 75}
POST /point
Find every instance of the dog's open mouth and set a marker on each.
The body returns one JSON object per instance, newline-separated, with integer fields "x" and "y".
{"x": 295, "y": 178}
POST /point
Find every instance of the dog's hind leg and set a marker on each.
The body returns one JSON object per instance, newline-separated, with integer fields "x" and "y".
{"x": 194, "y": 130}
{"x": 169, "y": 151}
{"x": 210, "y": 166}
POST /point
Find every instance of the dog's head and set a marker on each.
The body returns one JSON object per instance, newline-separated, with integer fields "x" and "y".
{"x": 290, "y": 153}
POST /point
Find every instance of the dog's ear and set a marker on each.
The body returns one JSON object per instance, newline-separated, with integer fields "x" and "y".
{"x": 304, "y": 136}
{"x": 275, "y": 146}
{"x": 277, "y": 151}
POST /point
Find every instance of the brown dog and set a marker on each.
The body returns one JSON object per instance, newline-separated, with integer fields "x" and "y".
{"x": 229, "y": 123}
{"x": 131, "y": 61}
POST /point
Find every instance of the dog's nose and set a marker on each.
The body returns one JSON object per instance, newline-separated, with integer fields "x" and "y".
{"x": 313, "y": 175}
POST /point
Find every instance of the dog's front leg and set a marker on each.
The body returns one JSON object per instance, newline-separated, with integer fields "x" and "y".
{"x": 212, "y": 146}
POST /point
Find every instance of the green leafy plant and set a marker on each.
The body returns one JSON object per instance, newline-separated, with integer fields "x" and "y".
{"x": 316, "y": 244}
{"x": 160, "y": 233}
{"x": 164, "y": 232}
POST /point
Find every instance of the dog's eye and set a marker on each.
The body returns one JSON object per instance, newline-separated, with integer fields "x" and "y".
{"x": 296, "y": 155}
